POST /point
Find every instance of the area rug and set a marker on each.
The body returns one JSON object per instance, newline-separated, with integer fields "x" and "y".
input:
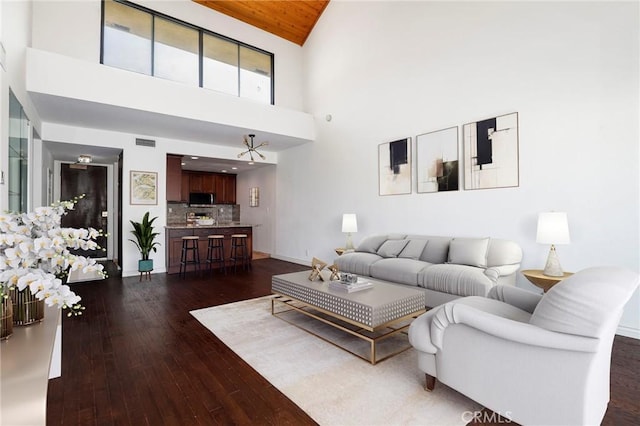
{"x": 332, "y": 386}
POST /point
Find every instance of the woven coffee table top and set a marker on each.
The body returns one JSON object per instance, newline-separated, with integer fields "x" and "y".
{"x": 374, "y": 307}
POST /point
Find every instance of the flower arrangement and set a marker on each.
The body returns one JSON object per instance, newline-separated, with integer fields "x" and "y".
{"x": 34, "y": 253}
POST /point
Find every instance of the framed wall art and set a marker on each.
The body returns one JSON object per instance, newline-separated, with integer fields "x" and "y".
{"x": 394, "y": 167}
{"x": 491, "y": 153}
{"x": 144, "y": 188}
{"x": 437, "y": 161}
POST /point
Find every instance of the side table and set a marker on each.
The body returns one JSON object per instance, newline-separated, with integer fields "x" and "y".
{"x": 545, "y": 282}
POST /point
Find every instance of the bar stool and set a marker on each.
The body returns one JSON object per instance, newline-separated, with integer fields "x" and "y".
{"x": 239, "y": 251}
{"x": 215, "y": 252}
{"x": 190, "y": 254}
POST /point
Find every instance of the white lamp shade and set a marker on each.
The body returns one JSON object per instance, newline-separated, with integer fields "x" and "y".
{"x": 553, "y": 228}
{"x": 349, "y": 222}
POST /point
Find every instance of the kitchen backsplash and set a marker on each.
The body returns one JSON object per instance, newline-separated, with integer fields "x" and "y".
{"x": 223, "y": 213}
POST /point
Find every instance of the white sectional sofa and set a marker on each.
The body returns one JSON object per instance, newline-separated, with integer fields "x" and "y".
{"x": 445, "y": 267}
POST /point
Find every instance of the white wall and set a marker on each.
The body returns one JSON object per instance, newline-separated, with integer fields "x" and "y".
{"x": 569, "y": 69}
{"x": 263, "y": 216}
{"x": 72, "y": 28}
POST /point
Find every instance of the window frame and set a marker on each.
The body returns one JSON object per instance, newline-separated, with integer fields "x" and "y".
{"x": 201, "y": 33}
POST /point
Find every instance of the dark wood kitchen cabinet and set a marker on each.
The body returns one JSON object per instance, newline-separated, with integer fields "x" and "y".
{"x": 201, "y": 182}
{"x": 174, "y": 178}
{"x": 179, "y": 186}
{"x": 225, "y": 188}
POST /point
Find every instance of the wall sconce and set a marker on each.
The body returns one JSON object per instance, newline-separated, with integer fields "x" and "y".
{"x": 553, "y": 228}
{"x": 349, "y": 225}
{"x": 254, "y": 197}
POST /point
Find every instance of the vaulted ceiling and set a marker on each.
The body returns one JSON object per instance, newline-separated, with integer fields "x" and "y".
{"x": 292, "y": 20}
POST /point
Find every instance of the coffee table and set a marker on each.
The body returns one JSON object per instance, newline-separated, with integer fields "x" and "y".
{"x": 374, "y": 314}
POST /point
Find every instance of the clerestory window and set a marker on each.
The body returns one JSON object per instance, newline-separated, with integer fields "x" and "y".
{"x": 141, "y": 40}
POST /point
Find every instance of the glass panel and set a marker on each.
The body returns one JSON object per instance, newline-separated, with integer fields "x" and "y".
{"x": 176, "y": 51}
{"x": 127, "y": 38}
{"x": 18, "y": 155}
{"x": 255, "y": 75}
{"x": 220, "y": 65}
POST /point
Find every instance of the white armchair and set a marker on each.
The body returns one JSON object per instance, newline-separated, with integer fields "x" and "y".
{"x": 535, "y": 359}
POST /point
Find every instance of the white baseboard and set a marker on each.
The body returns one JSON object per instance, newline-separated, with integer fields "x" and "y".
{"x": 292, "y": 260}
{"x": 628, "y": 332}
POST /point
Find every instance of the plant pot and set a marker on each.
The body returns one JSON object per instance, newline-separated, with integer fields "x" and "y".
{"x": 6, "y": 318}
{"x": 145, "y": 265}
{"x": 27, "y": 309}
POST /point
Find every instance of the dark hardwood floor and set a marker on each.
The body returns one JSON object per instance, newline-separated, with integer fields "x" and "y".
{"x": 137, "y": 357}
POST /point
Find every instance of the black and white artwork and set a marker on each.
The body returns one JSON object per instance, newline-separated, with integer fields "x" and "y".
{"x": 394, "y": 164}
{"x": 491, "y": 153}
{"x": 437, "y": 161}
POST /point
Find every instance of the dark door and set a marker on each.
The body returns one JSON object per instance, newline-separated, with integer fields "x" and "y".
{"x": 92, "y": 182}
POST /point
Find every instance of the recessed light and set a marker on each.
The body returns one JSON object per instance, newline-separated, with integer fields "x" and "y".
{"x": 250, "y": 163}
{"x": 183, "y": 164}
{"x": 234, "y": 168}
{"x": 224, "y": 171}
{"x": 194, "y": 158}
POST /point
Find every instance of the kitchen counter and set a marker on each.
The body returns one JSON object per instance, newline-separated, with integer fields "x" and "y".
{"x": 175, "y": 232}
{"x": 221, "y": 225}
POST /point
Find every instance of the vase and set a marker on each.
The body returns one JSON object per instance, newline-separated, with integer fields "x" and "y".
{"x": 6, "y": 318}
{"x": 27, "y": 309}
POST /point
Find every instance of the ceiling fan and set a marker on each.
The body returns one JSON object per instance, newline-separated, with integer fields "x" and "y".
{"x": 251, "y": 149}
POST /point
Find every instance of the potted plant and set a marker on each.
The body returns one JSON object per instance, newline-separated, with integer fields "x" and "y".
{"x": 143, "y": 231}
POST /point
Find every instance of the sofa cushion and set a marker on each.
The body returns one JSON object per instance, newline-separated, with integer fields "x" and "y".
{"x": 392, "y": 248}
{"x": 460, "y": 280}
{"x": 371, "y": 244}
{"x": 469, "y": 251}
{"x": 356, "y": 262}
{"x": 503, "y": 252}
{"x": 436, "y": 250}
{"x": 413, "y": 249}
{"x": 400, "y": 270}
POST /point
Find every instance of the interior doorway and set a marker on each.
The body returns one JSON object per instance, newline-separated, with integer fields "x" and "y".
{"x": 92, "y": 211}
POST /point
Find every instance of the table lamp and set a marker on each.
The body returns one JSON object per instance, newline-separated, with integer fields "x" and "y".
{"x": 349, "y": 225}
{"x": 553, "y": 228}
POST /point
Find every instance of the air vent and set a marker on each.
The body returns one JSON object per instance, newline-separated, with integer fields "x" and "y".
{"x": 146, "y": 142}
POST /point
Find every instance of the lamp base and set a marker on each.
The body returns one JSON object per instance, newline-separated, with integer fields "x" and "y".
{"x": 349, "y": 245}
{"x": 553, "y": 268}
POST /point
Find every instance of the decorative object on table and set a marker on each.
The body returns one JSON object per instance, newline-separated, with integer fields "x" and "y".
{"x": 335, "y": 272}
{"x": 317, "y": 266}
{"x": 348, "y": 278}
{"x": 35, "y": 255}
{"x": 491, "y": 153}
{"x": 350, "y": 287}
{"x": 437, "y": 161}
{"x": 394, "y": 167}
{"x": 553, "y": 228}
{"x": 251, "y": 148}
{"x": 144, "y": 188}
{"x": 254, "y": 197}
{"x": 540, "y": 280}
{"x": 145, "y": 242}
{"x": 349, "y": 225}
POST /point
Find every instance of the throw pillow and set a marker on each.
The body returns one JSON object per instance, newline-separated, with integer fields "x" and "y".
{"x": 413, "y": 249}
{"x": 469, "y": 251}
{"x": 392, "y": 248}
{"x": 371, "y": 244}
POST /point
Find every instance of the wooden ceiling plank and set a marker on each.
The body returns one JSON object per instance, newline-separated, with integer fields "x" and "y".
{"x": 292, "y": 20}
